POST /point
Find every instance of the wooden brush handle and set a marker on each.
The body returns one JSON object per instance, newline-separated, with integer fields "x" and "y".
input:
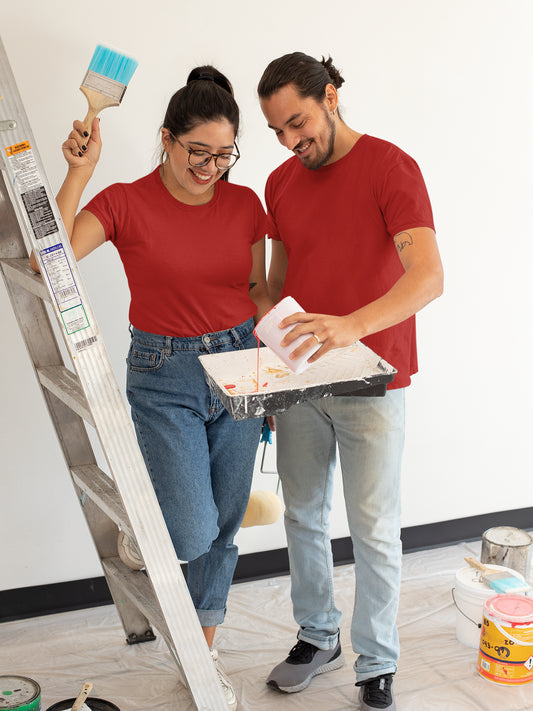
{"x": 97, "y": 102}
{"x": 84, "y": 693}
{"x": 476, "y": 564}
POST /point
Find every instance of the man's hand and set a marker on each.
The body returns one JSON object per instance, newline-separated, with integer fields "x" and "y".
{"x": 330, "y": 331}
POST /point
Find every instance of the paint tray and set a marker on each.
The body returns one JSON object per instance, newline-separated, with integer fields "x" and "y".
{"x": 354, "y": 370}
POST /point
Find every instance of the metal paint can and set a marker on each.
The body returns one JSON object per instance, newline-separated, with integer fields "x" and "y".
{"x": 19, "y": 693}
{"x": 507, "y": 546}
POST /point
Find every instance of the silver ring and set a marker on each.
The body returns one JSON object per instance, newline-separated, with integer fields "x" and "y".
{"x": 317, "y": 339}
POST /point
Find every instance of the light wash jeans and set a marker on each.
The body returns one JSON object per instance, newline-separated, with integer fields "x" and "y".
{"x": 369, "y": 432}
{"x": 199, "y": 458}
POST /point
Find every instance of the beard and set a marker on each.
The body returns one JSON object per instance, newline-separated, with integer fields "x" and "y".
{"x": 322, "y": 157}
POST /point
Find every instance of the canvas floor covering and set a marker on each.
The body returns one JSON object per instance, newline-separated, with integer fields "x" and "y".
{"x": 436, "y": 672}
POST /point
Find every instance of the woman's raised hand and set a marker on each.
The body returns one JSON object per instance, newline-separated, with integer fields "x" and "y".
{"x": 80, "y": 150}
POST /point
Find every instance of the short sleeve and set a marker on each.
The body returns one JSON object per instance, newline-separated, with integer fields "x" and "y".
{"x": 403, "y": 197}
{"x": 272, "y": 229}
{"x": 108, "y": 207}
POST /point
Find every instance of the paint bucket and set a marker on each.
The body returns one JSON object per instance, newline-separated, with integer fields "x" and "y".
{"x": 506, "y": 545}
{"x": 506, "y": 642}
{"x": 92, "y": 703}
{"x": 469, "y": 595}
{"x": 268, "y": 331}
{"x": 20, "y": 693}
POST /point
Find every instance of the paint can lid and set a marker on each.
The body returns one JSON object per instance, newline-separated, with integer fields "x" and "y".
{"x": 515, "y": 609}
{"x": 18, "y": 692}
{"x": 507, "y": 536}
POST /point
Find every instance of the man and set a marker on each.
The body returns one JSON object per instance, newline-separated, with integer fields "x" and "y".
{"x": 353, "y": 242}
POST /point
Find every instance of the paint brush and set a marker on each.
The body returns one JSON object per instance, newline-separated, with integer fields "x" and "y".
{"x": 501, "y": 581}
{"x": 80, "y": 699}
{"x": 106, "y": 81}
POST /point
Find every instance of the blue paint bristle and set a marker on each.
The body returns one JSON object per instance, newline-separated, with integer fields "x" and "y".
{"x": 112, "y": 64}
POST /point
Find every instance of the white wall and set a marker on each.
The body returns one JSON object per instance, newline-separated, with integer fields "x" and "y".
{"x": 447, "y": 80}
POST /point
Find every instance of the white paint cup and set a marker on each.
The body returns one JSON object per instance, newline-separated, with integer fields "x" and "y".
{"x": 268, "y": 331}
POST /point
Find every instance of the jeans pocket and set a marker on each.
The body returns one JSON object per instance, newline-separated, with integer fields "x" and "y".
{"x": 144, "y": 359}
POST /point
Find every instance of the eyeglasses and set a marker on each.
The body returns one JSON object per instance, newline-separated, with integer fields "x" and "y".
{"x": 223, "y": 161}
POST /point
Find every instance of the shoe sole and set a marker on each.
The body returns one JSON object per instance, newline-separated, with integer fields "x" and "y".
{"x": 329, "y": 666}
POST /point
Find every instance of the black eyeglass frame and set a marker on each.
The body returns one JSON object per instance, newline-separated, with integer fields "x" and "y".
{"x": 214, "y": 156}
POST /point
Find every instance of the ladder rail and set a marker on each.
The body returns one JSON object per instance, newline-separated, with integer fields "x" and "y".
{"x": 40, "y": 221}
{"x": 38, "y": 334}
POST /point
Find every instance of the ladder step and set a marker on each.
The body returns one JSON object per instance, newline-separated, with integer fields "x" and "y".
{"x": 101, "y": 489}
{"x": 19, "y": 271}
{"x": 138, "y": 589}
{"x": 62, "y": 383}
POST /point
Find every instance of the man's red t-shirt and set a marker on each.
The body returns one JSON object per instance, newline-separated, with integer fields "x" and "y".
{"x": 337, "y": 224}
{"x": 187, "y": 266}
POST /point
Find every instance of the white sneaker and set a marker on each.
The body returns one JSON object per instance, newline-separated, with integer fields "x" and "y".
{"x": 229, "y": 691}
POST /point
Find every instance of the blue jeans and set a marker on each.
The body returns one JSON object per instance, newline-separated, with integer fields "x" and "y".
{"x": 369, "y": 432}
{"x": 199, "y": 458}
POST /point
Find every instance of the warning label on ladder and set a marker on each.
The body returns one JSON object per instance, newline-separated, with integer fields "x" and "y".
{"x": 33, "y": 194}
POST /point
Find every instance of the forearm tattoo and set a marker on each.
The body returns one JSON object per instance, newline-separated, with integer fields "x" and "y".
{"x": 403, "y": 240}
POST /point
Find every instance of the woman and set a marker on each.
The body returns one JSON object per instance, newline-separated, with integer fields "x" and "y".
{"x": 192, "y": 246}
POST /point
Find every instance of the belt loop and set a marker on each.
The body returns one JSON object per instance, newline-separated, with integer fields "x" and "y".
{"x": 168, "y": 344}
{"x": 236, "y": 337}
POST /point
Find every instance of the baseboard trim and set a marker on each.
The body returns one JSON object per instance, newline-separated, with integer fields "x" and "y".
{"x": 21, "y": 603}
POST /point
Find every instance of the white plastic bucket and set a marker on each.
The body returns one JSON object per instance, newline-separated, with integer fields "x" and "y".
{"x": 269, "y": 332}
{"x": 470, "y": 594}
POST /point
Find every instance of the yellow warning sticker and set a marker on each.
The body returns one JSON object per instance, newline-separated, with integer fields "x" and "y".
{"x": 18, "y": 148}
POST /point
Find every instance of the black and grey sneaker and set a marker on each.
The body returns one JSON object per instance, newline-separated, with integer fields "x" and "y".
{"x": 377, "y": 694}
{"x": 303, "y": 663}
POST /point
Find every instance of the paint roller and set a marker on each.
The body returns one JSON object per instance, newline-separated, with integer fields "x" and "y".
{"x": 264, "y": 508}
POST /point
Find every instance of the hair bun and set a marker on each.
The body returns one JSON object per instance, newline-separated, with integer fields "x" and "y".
{"x": 333, "y": 72}
{"x": 209, "y": 73}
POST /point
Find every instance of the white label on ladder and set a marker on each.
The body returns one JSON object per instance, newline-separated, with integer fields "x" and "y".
{"x": 59, "y": 274}
{"x": 30, "y": 188}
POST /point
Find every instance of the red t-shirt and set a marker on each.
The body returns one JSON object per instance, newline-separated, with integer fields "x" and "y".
{"x": 337, "y": 224}
{"x": 187, "y": 266}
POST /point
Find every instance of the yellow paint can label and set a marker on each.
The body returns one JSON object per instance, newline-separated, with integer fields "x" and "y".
{"x": 506, "y": 641}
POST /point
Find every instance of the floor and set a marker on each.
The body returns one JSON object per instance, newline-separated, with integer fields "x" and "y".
{"x": 436, "y": 672}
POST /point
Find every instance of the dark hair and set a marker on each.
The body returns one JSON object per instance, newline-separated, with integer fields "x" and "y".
{"x": 207, "y": 96}
{"x": 308, "y": 75}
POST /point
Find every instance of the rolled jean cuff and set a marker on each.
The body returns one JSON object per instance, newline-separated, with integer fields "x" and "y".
{"x": 211, "y": 618}
{"x": 322, "y": 642}
{"x": 378, "y": 670}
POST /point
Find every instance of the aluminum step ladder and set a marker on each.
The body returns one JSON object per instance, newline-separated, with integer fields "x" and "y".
{"x": 87, "y": 392}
